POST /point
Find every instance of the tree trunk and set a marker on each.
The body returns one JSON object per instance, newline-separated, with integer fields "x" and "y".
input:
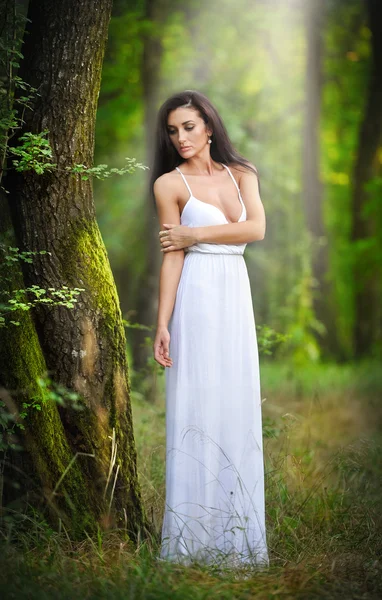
{"x": 367, "y": 324}
{"x": 83, "y": 348}
{"x": 311, "y": 184}
{"x": 147, "y": 297}
{"x": 38, "y": 467}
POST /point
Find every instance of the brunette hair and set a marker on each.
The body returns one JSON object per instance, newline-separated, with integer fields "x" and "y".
{"x": 166, "y": 157}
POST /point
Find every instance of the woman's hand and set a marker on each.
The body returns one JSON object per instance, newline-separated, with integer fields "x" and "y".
{"x": 161, "y": 347}
{"x": 176, "y": 237}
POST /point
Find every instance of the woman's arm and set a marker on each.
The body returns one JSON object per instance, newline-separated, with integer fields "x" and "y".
{"x": 169, "y": 277}
{"x": 170, "y": 272}
{"x": 231, "y": 233}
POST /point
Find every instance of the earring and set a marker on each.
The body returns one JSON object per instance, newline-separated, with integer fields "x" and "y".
{"x": 210, "y": 141}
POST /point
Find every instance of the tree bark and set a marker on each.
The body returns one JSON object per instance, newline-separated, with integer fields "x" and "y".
{"x": 83, "y": 348}
{"x": 312, "y": 190}
{"x": 367, "y": 313}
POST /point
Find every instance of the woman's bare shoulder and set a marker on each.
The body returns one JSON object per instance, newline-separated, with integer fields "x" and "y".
{"x": 166, "y": 186}
{"x": 239, "y": 170}
{"x": 166, "y": 181}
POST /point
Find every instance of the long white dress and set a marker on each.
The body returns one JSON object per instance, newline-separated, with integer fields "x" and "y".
{"x": 214, "y": 509}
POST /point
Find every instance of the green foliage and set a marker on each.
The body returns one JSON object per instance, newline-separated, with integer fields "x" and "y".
{"x": 268, "y": 340}
{"x": 35, "y": 153}
{"x": 13, "y": 419}
{"x": 301, "y": 342}
{"x": 59, "y": 394}
{"x": 26, "y": 298}
{"x": 130, "y": 325}
{"x": 8, "y": 425}
{"x": 103, "y": 171}
{"x": 346, "y": 70}
{"x": 32, "y": 151}
{"x": 16, "y": 95}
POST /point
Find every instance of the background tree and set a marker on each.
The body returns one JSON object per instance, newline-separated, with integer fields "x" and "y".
{"x": 312, "y": 189}
{"x": 156, "y": 14}
{"x": 367, "y": 214}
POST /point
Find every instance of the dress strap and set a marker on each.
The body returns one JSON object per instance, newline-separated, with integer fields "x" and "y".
{"x": 185, "y": 180}
{"x": 233, "y": 179}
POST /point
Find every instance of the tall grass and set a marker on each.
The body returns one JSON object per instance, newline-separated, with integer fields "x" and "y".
{"x": 323, "y": 464}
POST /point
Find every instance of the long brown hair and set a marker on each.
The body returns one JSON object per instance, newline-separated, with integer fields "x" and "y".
{"x": 166, "y": 157}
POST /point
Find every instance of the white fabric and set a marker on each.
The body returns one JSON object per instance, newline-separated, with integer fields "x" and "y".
{"x": 214, "y": 508}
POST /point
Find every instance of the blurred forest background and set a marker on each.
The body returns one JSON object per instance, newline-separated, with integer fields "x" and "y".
{"x": 82, "y": 406}
{"x": 298, "y": 85}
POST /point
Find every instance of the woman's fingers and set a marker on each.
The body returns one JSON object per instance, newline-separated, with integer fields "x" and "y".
{"x": 165, "y": 362}
{"x": 176, "y": 238}
{"x": 161, "y": 360}
{"x": 166, "y": 243}
{"x": 158, "y": 354}
{"x": 161, "y": 348}
{"x": 169, "y": 249}
{"x": 162, "y": 356}
{"x": 166, "y": 354}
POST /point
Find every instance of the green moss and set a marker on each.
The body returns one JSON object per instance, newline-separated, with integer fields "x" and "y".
{"x": 47, "y": 451}
{"x": 86, "y": 265}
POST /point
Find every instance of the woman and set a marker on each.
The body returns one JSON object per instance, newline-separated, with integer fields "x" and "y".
{"x": 209, "y": 207}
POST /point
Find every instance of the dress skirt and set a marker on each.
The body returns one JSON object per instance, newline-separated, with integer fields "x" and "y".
{"x": 214, "y": 508}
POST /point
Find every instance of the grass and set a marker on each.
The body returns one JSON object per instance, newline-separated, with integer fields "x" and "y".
{"x": 322, "y": 449}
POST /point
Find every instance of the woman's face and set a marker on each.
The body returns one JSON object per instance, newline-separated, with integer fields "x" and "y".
{"x": 187, "y": 131}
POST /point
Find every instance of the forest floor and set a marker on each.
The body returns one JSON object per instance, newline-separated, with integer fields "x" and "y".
{"x": 323, "y": 462}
